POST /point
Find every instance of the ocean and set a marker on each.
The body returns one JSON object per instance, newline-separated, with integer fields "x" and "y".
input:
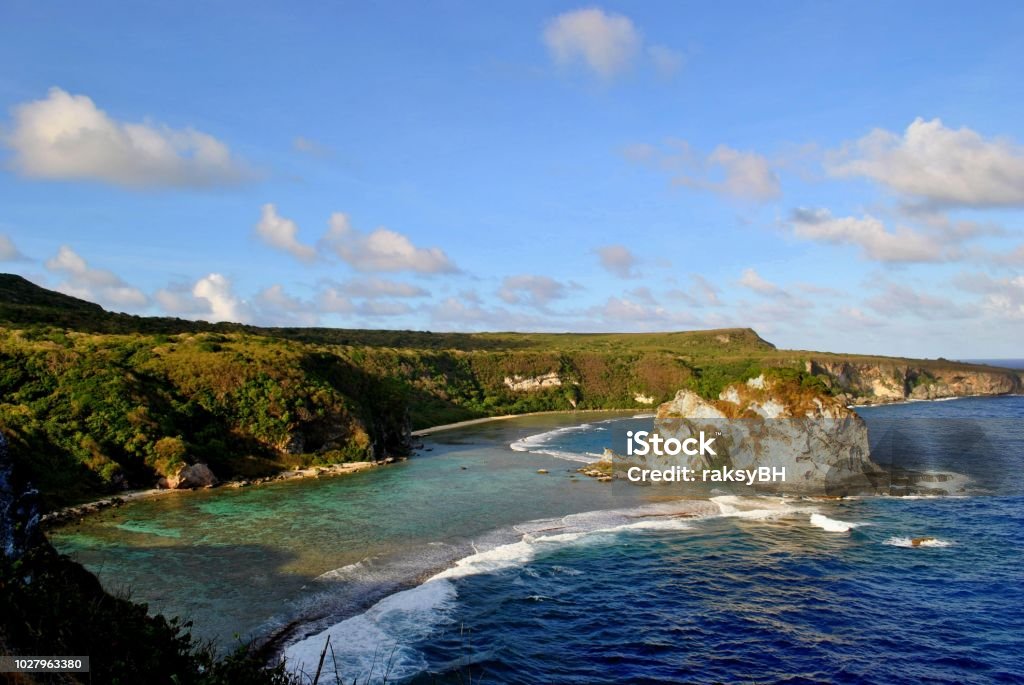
{"x": 465, "y": 564}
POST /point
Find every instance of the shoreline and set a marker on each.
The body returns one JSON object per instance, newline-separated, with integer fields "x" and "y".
{"x": 424, "y": 432}
{"x": 914, "y": 400}
{"x": 68, "y": 514}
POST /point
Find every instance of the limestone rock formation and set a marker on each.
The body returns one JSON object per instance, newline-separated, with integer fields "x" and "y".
{"x": 519, "y": 383}
{"x": 868, "y": 382}
{"x": 821, "y": 443}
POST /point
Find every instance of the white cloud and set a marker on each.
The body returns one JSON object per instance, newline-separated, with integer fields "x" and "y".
{"x": 530, "y": 290}
{"x": 382, "y": 250}
{"x": 746, "y": 175}
{"x": 453, "y": 310}
{"x": 8, "y": 251}
{"x": 624, "y": 309}
{"x": 380, "y": 287}
{"x": 334, "y": 301}
{"x": 95, "y": 285}
{"x": 618, "y": 260}
{"x": 66, "y": 137}
{"x": 282, "y": 234}
{"x": 629, "y": 313}
{"x": 1014, "y": 257}
{"x": 605, "y": 43}
{"x": 819, "y": 290}
{"x": 898, "y": 300}
{"x": 213, "y": 298}
{"x": 937, "y": 165}
{"x": 1003, "y": 297}
{"x": 468, "y": 315}
{"x": 177, "y": 300}
{"x": 701, "y": 292}
{"x": 222, "y": 303}
{"x": 643, "y": 295}
{"x": 869, "y": 233}
{"x": 855, "y": 317}
{"x": 752, "y": 280}
{"x": 275, "y": 307}
{"x": 378, "y": 308}
{"x": 471, "y": 296}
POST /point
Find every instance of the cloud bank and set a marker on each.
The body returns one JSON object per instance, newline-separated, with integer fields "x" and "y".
{"x": 67, "y": 137}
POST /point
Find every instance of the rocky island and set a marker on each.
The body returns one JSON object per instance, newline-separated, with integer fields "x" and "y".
{"x": 774, "y": 422}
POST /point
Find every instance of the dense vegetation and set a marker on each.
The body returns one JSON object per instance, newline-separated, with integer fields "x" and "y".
{"x": 94, "y": 401}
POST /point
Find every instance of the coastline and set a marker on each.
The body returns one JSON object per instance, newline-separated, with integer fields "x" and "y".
{"x": 72, "y": 512}
{"x": 423, "y": 432}
{"x": 67, "y": 514}
{"x": 915, "y": 400}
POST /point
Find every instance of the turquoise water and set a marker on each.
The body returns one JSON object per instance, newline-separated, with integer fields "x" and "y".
{"x": 243, "y": 562}
{"x": 464, "y": 562}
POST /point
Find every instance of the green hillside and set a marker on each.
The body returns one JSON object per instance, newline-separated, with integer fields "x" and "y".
{"x": 94, "y": 401}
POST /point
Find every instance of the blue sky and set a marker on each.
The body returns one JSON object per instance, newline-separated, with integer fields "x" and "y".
{"x": 839, "y": 176}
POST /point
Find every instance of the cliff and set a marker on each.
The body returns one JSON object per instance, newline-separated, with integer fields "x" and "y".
{"x": 776, "y": 423}
{"x": 865, "y": 382}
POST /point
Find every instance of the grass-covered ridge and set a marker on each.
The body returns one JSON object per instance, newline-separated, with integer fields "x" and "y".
{"x": 94, "y": 401}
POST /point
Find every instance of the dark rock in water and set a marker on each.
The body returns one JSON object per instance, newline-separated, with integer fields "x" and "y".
{"x": 917, "y": 542}
{"x": 19, "y": 510}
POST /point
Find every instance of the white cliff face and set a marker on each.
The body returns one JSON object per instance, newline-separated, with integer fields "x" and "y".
{"x": 822, "y": 445}
{"x": 689, "y": 405}
{"x": 524, "y": 383}
{"x": 869, "y": 382}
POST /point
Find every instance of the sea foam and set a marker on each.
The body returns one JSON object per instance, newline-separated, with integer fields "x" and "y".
{"x": 537, "y": 444}
{"x": 922, "y": 542}
{"x": 377, "y": 643}
{"x": 832, "y": 525}
{"x": 755, "y": 508}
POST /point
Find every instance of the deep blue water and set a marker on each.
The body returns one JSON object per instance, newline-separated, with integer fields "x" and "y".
{"x": 487, "y": 558}
{"x": 773, "y": 599}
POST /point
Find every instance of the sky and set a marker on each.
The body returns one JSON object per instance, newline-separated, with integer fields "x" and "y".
{"x": 838, "y": 176}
